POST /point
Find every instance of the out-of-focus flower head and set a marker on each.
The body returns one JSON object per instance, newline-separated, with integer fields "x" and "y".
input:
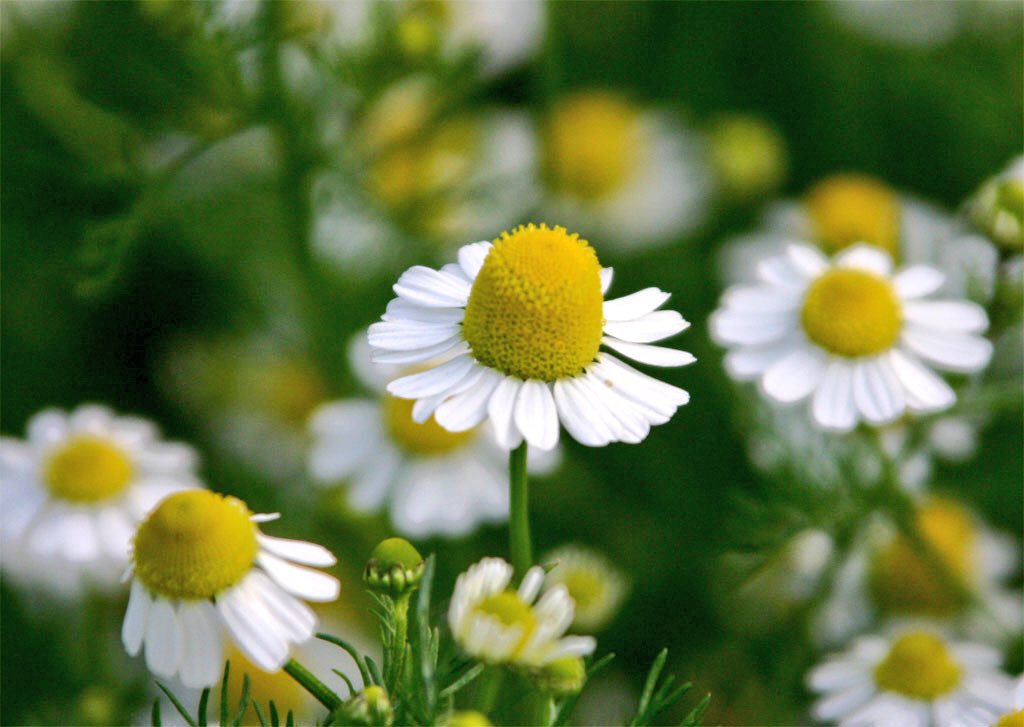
{"x": 998, "y": 207}
{"x": 635, "y": 176}
{"x": 925, "y": 25}
{"x": 596, "y": 585}
{"x": 748, "y": 155}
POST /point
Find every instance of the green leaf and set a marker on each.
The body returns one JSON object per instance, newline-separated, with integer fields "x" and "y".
{"x": 693, "y": 719}
{"x": 259, "y": 714}
{"x": 204, "y": 700}
{"x": 652, "y": 679}
{"x": 224, "y": 692}
{"x": 348, "y": 682}
{"x": 467, "y": 676}
{"x": 356, "y": 657}
{"x": 155, "y": 717}
{"x": 177, "y": 705}
{"x": 374, "y": 671}
{"x": 243, "y": 703}
{"x": 275, "y": 720}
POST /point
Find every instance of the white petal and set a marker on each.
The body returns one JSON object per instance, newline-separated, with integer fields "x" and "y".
{"x": 163, "y": 639}
{"x": 471, "y": 258}
{"x": 960, "y": 352}
{"x": 807, "y": 261}
{"x": 634, "y": 305}
{"x": 294, "y": 618}
{"x": 501, "y": 411}
{"x": 574, "y": 646}
{"x": 531, "y": 584}
{"x": 947, "y": 315}
{"x": 622, "y": 418}
{"x": 432, "y": 288}
{"x": 606, "y": 279}
{"x": 467, "y": 409}
{"x": 403, "y": 310}
{"x": 651, "y": 327}
{"x": 833, "y": 405}
{"x": 865, "y": 257}
{"x": 638, "y": 387}
{"x": 536, "y": 416}
{"x": 445, "y": 349}
{"x": 779, "y": 272}
{"x": 926, "y": 391}
{"x": 796, "y": 375}
{"x": 115, "y": 532}
{"x": 370, "y": 485}
{"x": 305, "y": 583}
{"x": 837, "y": 705}
{"x": 833, "y": 675}
{"x": 298, "y": 551}
{"x": 91, "y": 418}
{"x": 411, "y": 335}
{"x": 433, "y": 381}
{"x": 749, "y": 362}
{"x": 761, "y": 299}
{"x": 134, "y": 627}
{"x": 249, "y": 625}
{"x": 578, "y": 421}
{"x": 652, "y": 355}
{"x": 877, "y": 391}
{"x": 47, "y": 427}
{"x": 730, "y": 327}
{"x": 203, "y": 657}
{"x": 81, "y": 540}
{"x": 917, "y": 281}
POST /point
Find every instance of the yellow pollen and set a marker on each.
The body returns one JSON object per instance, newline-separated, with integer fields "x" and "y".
{"x": 852, "y": 313}
{"x": 851, "y": 208}
{"x": 1013, "y": 719}
{"x": 508, "y": 608}
{"x": 424, "y": 440}
{"x": 194, "y": 545}
{"x": 918, "y": 666}
{"x": 901, "y": 581}
{"x": 591, "y": 144}
{"x": 585, "y": 587}
{"x": 88, "y": 469}
{"x": 536, "y": 308}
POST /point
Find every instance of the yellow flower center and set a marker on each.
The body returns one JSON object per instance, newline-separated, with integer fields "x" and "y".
{"x": 509, "y": 609}
{"x": 1013, "y": 719}
{"x": 194, "y": 545}
{"x": 88, "y": 469}
{"x": 852, "y": 313}
{"x": 850, "y": 208}
{"x": 903, "y": 582}
{"x": 536, "y": 308}
{"x": 293, "y": 391}
{"x": 423, "y": 440}
{"x": 421, "y": 26}
{"x": 918, "y": 666}
{"x": 591, "y": 144}
{"x": 585, "y": 587}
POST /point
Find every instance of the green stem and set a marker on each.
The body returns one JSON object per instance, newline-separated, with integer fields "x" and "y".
{"x": 488, "y": 687}
{"x": 311, "y": 684}
{"x": 396, "y": 657}
{"x": 519, "y": 512}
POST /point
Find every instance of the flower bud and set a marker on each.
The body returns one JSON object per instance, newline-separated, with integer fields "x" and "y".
{"x": 562, "y": 677}
{"x": 468, "y": 718}
{"x": 997, "y": 209}
{"x": 395, "y": 568}
{"x": 370, "y": 708}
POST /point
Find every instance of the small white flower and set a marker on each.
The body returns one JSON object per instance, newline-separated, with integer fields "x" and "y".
{"x": 521, "y": 323}
{"x": 637, "y": 178}
{"x": 595, "y": 585}
{"x": 74, "y": 490}
{"x": 502, "y": 626}
{"x": 856, "y": 339}
{"x": 434, "y": 482}
{"x": 200, "y": 566}
{"x": 916, "y": 678}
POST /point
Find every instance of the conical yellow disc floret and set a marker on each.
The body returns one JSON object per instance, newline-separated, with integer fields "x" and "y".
{"x": 852, "y": 313}
{"x": 536, "y": 308}
{"x": 919, "y": 666}
{"x": 194, "y": 545}
{"x": 88, "y": 469}
{"x": 851, "y": 208}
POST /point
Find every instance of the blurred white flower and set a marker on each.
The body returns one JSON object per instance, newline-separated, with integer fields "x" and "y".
{"x": 433, "y": 482}
{"x": 748, "y": 155}
{"x": 918, "y": 24}
{"x": 596, "y": 586}
{"x": 74, "y": 490}
{"x": 636, "y": 177}
{"x": 915, "y": 678}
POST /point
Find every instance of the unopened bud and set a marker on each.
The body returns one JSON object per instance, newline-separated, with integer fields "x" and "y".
{"x": 395, "y": 568}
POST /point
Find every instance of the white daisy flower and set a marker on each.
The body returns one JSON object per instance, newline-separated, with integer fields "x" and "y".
{"x": 200, "y": 566}
{"x": 521, "y": 322}
{"x": 433, "y": 481}
{"x": 502, "y": 626}
{"x": 595, "y": 585}
{"x": 856, "y": 339}
{"x": 638, "y": 178}
{"x": 981, "y": 717}
{"x": 917, "y": 678}
{"x": 74, "y": 490}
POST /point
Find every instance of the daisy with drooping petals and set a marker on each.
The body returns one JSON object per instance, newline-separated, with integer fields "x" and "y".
{"x": 857, "y": 339}
{"x": 74, "y": 490}
{"x": 502, "y": 626}
{"x": 201, "y": 565}
{"x": 434, "y": 482}
{"x": 521, "y": 323}
{"x": 917, "y": 678}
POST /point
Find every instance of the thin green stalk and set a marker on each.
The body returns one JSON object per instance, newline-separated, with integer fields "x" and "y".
{"x": 519, "y": 512}
{"x": 396, "y": 659}
{"x": 311, "y": 684}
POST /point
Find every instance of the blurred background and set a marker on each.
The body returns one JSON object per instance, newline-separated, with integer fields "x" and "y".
{"x": 204, "y": 202}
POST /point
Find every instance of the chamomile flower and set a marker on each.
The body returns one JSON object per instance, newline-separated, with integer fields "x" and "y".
{"x": 595, "y": 585}
{"x": 502, "y": 626}
{"x": 634, "y": 176}
{"x": 432, "y": 481}
{"x": 848, "y": 333}
{"x": 915, "y": 678}
{"x": 981, "y": 717}
{"x": 200, "y": 567}
{"x": 521, "y": 323}
{"x": 74, "y": 490}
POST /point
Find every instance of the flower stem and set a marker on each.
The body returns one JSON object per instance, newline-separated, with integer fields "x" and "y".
{"x": 396, "y": 656}
{"x": 311, "y": 684}
{"x": 519, "y": 512}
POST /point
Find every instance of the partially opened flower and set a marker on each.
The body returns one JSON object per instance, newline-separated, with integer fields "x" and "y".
{"x": 520, "y": 324}
{"x": 596, "y": 586}
{"x": 502, "y": 626}
{"x": 916, "y": 678}
{"x": 858, "y": 340}
{"x": 201, "y": 566}
{"x": 74, "y": 490}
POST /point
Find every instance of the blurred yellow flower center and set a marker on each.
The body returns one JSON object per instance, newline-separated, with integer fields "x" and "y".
{"x": 536, "y": 308}
{"x": 423, "y": 440}
{"x": 850, "y": 208}
{"x": 902, "y": 581}
{"x": 749, "y": 155}
{"x": 509, "y": 609}
{"x": 1013, "y": 719}
{"x": 918, "y": 666}
{"x": 293, "y": 390}
{"x": 852, "y": 313}
{"x": 422, "y": 25}
{"x": 194, "y": 545}
{"x": 585, "y": 587}
{"x": 276, "y": 686}
{"x": 88, "y": 469}
{"x": 591, "y": 144}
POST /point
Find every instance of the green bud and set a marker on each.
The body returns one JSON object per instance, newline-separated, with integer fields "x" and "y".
{"x": 469, "y": 718}
{"x": 395, "y": 568}
{"x": 997, "y": 209}
{"x": 370, "y": 708}
{"x": 562, "y": 677}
